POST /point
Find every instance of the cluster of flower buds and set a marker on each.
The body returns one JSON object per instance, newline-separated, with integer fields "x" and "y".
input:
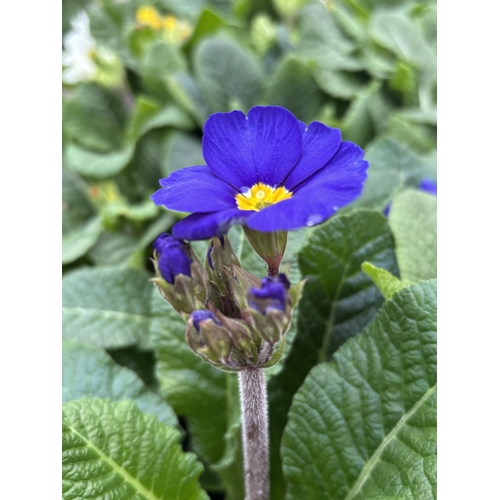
{"x": 234, "y": 319}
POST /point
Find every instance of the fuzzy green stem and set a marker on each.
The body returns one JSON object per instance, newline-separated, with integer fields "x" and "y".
{"x": 253, "y": 398}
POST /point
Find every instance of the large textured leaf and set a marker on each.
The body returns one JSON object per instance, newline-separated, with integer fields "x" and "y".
{"x": 363, "y": 425}
{"x": 108, "y": 307}
{"x": 112, "y": 450}
{"x": 227, "y": 75}
{"x": 392, "y": 167}
{"x": 80, "y": 240}
{"x": 339, "y": 299}
{"x": 89, "y": 371}
{"x": 413, "y": 220}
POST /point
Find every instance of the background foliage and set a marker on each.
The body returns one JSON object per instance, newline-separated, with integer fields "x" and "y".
{"x": 351, "y": 419}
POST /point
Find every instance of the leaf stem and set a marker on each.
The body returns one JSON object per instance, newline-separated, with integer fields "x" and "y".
{"x": 253, "y": 398}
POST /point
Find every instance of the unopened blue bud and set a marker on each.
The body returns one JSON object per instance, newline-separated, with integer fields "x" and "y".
{"x": 198, "y": 316}
{"x": 173, "y": 257}
{"x": 271, "y": 295}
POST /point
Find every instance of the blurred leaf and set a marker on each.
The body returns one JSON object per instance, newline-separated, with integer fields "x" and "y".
{"x": 226, "y": 74}
{"x": 405, "y": 80}
{"x": 418, "y": 136}
{"x": 341, "y": 84}
{"x": 93, "y": 117}
{"x": 189, "y": 9}
{"x": 339, "y": 299}
{"x": 80, "y": 240}
{"x": 392, "y": 167}
{"x": 161, "y": 60}
{"x": 293, "y": 87}
{"x": 359, "y": 121}
{"x": 208, "y": 23}
{"x": 263, "y": 33}
{"x": 385, "y": 281}
{"x": 89, "y": 371}
{"x": 288, "y": 8}
{"x": 107, "y": 307}
{"x": 132, "y": 455}
{"x": 321, "y": 40}
{"x": 149, "y": 114}
{"x": 183, "y": 150}
{"x": 364, "y": 425}
{"x": 98, "y": 165}
{"x": 413, "y": 220}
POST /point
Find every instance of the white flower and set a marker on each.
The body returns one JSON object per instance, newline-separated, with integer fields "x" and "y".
{"x": 79, "y": 50}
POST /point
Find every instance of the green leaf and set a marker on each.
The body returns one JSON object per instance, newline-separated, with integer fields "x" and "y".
{"x": 89, "y": 371}
{"x": 341, "y": 84}
{"x": 80, "y": 226}
{"x": 392, "y": 167}
{"x": 80, "y": 240}
{"x": 107, "y": 307}
{"x": 413, "y": 220}
{"x": 94, "y": 117}
{"x": 161, "y": 60}
{"x": 98, "y": 165}
{"x": 149, "y": 114}
{"x": 182, "y": 150}
{"x": 339, "y": 299}
{"x": 227, "y": 75}
{"x": 418, "y": 136}
{"x": 112, "y": 450}
{"x": 191, "y": 386}
{"x": 385, "y": 281}
{"x": 293, "y": 87}
{"x": 208, "y": 23}
{"x": 363, "y": 425}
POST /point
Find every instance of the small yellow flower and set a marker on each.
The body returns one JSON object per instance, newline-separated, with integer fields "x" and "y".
{"x": 169, "y": 23}
{"x": 149, "y": 16}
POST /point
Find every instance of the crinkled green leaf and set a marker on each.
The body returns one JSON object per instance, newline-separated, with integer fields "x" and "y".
{"x": 392, "y": 167}
{"x": 98, "y": 165}
{"x": 413, "y": 220}
{"x": 112, "y": 450}
{"x": 385, "y": 281}
{"x": 226, "y": 75}
{"x": 363, "y": 426}
{"x": 89, "y": 371}
{"x": 339, "y": 299}
{"x": 107, "y": 307}
{"x": 293, "y": 87}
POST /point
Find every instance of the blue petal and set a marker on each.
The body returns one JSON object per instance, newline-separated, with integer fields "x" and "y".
{"x": 261, "y": 148}
{"x": 202, "y": 226}
{"x": 315, "y": 200}
{"x": 320, "y": 143}
{"x": 195, "y": 189}
{"x": 428, "y": 186}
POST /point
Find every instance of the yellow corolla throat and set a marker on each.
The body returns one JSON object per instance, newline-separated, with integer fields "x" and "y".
{"x": 260, "y": 196}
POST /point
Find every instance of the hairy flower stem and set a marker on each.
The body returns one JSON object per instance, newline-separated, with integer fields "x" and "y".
{"x": 253, "y": 399}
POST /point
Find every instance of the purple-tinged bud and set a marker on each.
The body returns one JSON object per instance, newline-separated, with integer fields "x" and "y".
{"x": 173, "y": 257}
{"x": 271, "y": 296}
{"x": 428, "y": 186}
{"x": 197, "y": 316}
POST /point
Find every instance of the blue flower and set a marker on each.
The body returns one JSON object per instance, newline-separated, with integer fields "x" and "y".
{"x": 198, "y": 316}
{"x": 266, "y": 170}
{"x": 173, "y": 257}
{"x": 271, "y": 295}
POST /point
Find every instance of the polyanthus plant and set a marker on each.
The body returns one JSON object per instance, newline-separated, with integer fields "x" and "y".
{"x": 270, "y": 173}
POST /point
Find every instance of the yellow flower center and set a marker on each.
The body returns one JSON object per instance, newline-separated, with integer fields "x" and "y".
{"x": 260, "y": 196}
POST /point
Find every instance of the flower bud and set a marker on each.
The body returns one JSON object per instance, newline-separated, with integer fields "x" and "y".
{"x": 180, "y": 276}
{"x": 271, "y": 296}
{"x": 270, "y": 246}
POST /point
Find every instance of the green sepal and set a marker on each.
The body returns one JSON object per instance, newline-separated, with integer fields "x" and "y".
{"x": 269, "y": 246}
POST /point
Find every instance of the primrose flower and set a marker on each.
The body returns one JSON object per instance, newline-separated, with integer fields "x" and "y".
{"x": 173, "y": 257}
{"x": 267, "y": 171}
